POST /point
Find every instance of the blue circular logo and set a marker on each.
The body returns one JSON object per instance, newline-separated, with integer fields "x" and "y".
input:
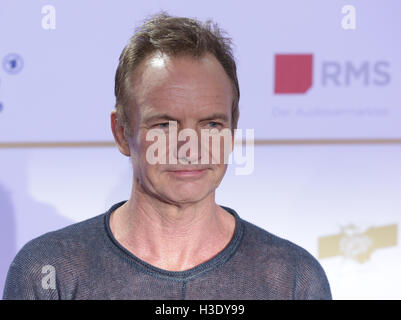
{"x": 13, "y": 63}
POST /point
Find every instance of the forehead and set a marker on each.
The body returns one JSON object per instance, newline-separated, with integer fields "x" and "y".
{"x": 181, "y": 85}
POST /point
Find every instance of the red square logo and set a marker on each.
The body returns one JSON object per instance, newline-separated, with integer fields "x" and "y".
{"x": 293, "y": 73}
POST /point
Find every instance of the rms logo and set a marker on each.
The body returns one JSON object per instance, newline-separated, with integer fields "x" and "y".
{"x": 293, "y": 73}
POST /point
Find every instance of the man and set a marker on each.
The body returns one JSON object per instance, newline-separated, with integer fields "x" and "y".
{"x": 170, "y": 240}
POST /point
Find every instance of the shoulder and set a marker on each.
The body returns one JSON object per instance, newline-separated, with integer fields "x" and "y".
{"x": 63, "y": 251}
{"x": 288, "y": 260}
{"x": 65, "y": 241}
{"x": 274, "y": 246}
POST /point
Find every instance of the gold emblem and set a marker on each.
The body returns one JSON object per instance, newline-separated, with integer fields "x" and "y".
{"x": 352, "y": 243}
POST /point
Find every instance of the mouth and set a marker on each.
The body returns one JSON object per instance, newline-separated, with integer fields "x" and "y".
{"x": 188, "y": 173}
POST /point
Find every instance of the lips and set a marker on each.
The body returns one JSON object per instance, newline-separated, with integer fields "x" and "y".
{"x": 188, "y": 172}
{"x": 188, "y": 168}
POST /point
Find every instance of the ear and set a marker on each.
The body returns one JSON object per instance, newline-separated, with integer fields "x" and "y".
{"x": 118, "y": 133}
{"x": 233, "y": 131}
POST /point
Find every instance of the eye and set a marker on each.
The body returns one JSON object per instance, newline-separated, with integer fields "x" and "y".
{"x": 215, "y": 124}
{"x": 162, "y": 125}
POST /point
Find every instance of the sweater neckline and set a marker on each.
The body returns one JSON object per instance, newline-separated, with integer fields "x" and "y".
{"x": 148, "y": 268}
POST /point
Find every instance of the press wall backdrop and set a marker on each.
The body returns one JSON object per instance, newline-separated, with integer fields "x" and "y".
{"x": 320, "y": 86}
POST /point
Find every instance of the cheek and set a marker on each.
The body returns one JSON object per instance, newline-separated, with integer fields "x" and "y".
{"x": 140, "y": 164}
{"x": 219, "y": 152}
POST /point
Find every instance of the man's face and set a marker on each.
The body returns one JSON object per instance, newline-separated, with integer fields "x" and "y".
{"x": 197, "y": 94}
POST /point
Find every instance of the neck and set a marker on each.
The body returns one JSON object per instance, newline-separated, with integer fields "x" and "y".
{"x": 171, "y": 236}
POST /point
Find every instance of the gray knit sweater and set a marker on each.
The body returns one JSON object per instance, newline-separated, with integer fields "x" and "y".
{"x": 85, "y": 261}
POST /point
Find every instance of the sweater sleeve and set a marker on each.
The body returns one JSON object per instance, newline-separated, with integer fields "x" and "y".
{"x": 311, "y": 280}
{"x": 30, "y": 276}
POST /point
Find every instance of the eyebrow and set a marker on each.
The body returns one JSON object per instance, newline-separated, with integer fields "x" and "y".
{"x": 165, "y": 116}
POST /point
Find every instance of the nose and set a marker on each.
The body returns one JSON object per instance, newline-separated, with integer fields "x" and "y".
{"x": 188, "y": 146}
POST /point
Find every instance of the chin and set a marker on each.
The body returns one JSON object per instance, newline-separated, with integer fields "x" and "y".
{"x": 187, "y": 194}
